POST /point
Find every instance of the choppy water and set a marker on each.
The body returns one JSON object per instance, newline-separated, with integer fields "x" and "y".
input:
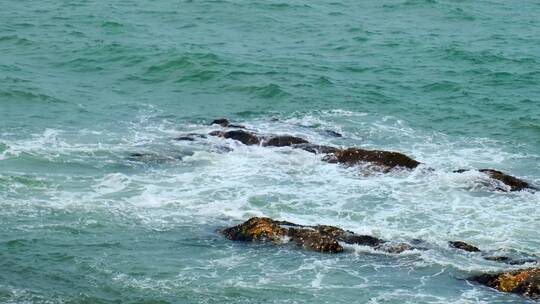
{"x": 454, "y": 84}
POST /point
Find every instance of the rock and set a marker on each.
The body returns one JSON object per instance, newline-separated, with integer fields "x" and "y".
{"x": 502, "y": 259}
{"x": 317, "y": 149}
{"x": 221, "y": 121}
{"x": 525, "y": 282}
{"x": 190, "y": 137}
{"x": 515, "y": 184}
{"x": 153, "y": 158}
{"x": 244, "y": 137}
{"x": 463, "y": 246}
{"x": 349, "y": 237}
{"x": 509, "y": 260}
{"x": 321, "y": 238}
{"x": 385, "y": 159}
{"x": 332, "y": 133}
{"x": 264, "y": 229}
{"x": 257, "y": 229}
{"x": 314, "y": 240}
{"x": 226, "y": 124}
{"x": 283, "y": 141}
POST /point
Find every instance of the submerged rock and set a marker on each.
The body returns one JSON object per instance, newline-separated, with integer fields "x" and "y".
{"x": 225, "y": 123}
{"x": 525, "y": 282}
{"x": 190, "y": 137}
{"x": 463, "y": 246}
{"x": 247, "y": 138}
{"x": 497, "y": 258}
{"x": 317, "y": 149}
{"x": 385, "y": 159}
{"x": 509, "y": 260}
{"x": 221, "y": 121}
{"x": 514, "y": 183}
{"x": 332, "y": 133}
{"x": 154, "y": 158}
{"x": 321, "y": 238}
{"x": 394, "y": 248}
{"x": 283, "y": 141}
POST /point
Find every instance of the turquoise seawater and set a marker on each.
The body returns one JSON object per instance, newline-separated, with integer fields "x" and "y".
{"x": 453, "y": 84}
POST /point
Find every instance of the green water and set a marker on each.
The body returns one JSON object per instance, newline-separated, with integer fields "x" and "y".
{"x": 454, "y": 84}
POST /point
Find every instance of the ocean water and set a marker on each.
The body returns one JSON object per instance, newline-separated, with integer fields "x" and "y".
{"x": 84, "y": 84}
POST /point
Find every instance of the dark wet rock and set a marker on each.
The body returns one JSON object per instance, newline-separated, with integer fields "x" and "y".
{"x": 321, "y": 238}
{"x": 502, "y": 259}
{"x": 384, "y": 159}
{"x": 153, "y": 158}
{"x": 509, "y": 260}
{"x": 247, "y": 138}
{"x": 514, "y": 183}
{"x": 283, "y": 141}
{"x": 463, "y": 246}
{"x": 190, "y": 137}
{"x": 317, "y": 149}
{"x": 226, "y": 124}
{"x": 185, "y": 138}
{"x": 525, "y": 282}
{"x": 221, "y": 121}
{"x": 332, "y": 133}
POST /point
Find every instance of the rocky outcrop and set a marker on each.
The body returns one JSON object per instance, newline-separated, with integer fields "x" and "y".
{"x": 385, "y": 159}
{"x": 321, "y": 238}
{"x": 283, "y": 141}
{"x": 513, "y": 183}
{"x": 463, "y": 246}
{"x": 525, "y": 282}
{"x": 247, "y": 138}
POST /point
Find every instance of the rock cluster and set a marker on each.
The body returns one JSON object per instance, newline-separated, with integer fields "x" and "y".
{"x": 330, "y": 239}
{"x": 320, "y": 238}
{"x": 378, "y": 159}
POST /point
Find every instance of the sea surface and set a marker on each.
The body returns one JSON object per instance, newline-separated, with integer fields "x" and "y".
{"x": 85, "y": 84}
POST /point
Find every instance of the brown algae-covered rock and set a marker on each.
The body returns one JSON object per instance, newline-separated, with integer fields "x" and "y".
{"x": 320, "y": 238}
{"x": 257, "y": 229}
{"x": 525, "y": 282}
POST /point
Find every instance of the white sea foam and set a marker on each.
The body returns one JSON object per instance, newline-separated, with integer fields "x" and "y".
{"x": 294, "y": 185}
